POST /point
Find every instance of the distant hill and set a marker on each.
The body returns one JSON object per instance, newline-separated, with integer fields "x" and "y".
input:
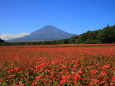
{"x": 47, "y": 33}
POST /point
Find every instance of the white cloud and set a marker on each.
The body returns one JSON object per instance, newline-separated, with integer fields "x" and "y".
{"x": 7, "y": 36}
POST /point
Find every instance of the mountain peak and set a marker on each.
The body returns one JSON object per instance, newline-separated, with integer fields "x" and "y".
{"x": 49, "y": 27}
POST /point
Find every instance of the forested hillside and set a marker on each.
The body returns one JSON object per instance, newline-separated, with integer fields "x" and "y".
{"x": 105, "y": 35}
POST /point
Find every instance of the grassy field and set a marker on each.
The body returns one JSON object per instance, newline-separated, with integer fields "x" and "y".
{"x": 58, "y": 65}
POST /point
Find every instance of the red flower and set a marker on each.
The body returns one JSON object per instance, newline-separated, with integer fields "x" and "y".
{"x": 64, "y": 77}
{"x": 79, "y": 71}
{"x": 93, "y": 71}
{"x": 94, "y": 81}
{"x": 39, "y": 66}
{"x": 63, "y": 81}
{"x": 106, "y": 66}
{"x": 102, "y": 82}
{"x": 20, "y": 85}
{"x": 11, "y": 76}
{"x": 76, "y": 76}
{"x": 113, "y": 79}
{"x": 75, "y": 82}
{"x": 112, "y": 84}
{"x": 41, "y": 70}
{"x": 38, "y": 77}
{"x": 64, "y": 66}
{"x": 103, "y": 73}
{"x": 1, "y": 79}
{"x": 17, "y": 68}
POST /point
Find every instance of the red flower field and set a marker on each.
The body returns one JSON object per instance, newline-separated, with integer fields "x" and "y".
{"x": 58, "y": 65}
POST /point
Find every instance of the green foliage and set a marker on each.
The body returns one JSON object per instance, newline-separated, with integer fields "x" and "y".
{"x": 106, "y": 35}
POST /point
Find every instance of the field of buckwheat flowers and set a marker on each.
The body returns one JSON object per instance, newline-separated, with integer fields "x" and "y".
{"x": 58, "y": 65}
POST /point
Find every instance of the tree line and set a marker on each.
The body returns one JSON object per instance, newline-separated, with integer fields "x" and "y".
{"x": 105, "y": 35}
{"x": 2, "y": 42}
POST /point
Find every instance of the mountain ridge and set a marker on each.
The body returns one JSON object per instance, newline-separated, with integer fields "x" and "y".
{"x": 46, "y": 33}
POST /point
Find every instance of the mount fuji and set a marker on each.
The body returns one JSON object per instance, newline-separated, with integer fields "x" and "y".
{"x": 46, "y": 33}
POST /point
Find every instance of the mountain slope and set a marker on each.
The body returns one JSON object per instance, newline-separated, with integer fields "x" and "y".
{"x": 46, "y": 33}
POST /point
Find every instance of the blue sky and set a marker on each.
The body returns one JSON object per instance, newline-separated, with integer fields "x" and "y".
{"x": 74, "y": 16}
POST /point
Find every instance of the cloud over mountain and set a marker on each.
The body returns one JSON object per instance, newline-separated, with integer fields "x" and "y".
{"x": 7, "y": 36}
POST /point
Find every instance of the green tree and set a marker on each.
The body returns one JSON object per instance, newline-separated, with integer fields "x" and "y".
{"x": 2, "y": 42}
